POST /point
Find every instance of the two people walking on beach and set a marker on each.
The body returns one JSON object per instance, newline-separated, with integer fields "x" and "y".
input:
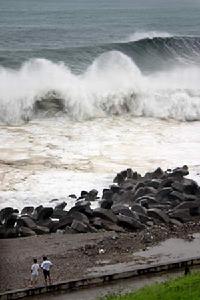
{"x": 45, "y": 266}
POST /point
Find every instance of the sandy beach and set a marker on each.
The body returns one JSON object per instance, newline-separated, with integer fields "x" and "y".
{"x": 74, "y": 255}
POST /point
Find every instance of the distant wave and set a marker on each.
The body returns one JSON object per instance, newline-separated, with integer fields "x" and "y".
{"x": 151, "y": 51}
{"x": 141, "y": 35}
{"x": 182, "y": 49}
{"x": 112, "y": 84}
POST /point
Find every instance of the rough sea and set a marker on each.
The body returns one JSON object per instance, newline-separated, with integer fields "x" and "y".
{"x": 89, "y": 88}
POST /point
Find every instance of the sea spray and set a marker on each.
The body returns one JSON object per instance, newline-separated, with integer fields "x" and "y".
{"x": 112, "y": 84}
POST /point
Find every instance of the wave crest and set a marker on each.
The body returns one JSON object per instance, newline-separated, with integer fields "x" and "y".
{"x": 141, "y": 35}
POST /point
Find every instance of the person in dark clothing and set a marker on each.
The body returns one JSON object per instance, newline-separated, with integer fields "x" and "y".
{"x": 187, "y": 269}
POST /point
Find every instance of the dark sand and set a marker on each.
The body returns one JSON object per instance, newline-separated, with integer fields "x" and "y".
{"x": 74, "y": 255}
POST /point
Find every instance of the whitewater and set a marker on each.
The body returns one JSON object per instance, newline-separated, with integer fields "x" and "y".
{"x": 62, "y": 132}
{"x": 87, "y": 90}
{"x": 112, "y": 84}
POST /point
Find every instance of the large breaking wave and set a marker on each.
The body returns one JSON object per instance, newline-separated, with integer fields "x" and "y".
{"x": 114, "y": 83}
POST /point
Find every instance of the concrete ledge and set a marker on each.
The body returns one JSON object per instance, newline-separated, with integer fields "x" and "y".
{"x": 100, "y": 279}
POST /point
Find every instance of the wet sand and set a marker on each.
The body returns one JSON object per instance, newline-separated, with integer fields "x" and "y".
{"x": 75, "y": 256}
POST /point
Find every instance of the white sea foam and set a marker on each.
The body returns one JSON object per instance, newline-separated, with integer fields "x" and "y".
{"x": 54, "y": 157}
{"x": 113, "y": 84}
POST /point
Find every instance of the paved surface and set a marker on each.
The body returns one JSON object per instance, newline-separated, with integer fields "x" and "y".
{"x": 77, "y": 256}
{"x": 169, "y": 250}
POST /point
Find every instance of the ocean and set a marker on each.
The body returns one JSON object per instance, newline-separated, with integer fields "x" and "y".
{"x": 89, "y": 88}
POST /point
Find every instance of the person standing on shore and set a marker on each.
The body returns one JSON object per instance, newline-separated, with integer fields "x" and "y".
{"x": 34, "y": 272}
{"x": 46, "y": 266}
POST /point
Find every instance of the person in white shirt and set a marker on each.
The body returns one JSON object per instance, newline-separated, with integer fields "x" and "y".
{"x": 34, "y": 272}
{"x": 46, "y": 266}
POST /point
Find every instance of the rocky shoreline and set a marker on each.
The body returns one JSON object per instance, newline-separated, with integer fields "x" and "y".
{"x": 135, "y": 213}
{"x": 132, "y": 203}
